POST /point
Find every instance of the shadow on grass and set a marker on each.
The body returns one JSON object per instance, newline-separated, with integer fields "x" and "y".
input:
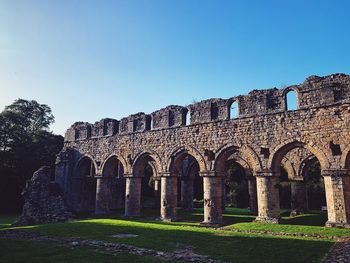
{"x": 227, "y": 246}
{"x": 31, "y": 251}
{"x": 311, "y": 218}
{"x": 231, "y": 216}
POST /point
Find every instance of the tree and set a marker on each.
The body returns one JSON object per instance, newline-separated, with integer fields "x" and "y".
{"x": 26, "y": 144}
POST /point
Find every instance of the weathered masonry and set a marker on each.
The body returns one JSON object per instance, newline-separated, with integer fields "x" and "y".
{"x": 107, "y": 165}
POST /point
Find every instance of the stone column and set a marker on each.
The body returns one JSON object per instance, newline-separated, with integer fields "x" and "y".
{"x": 187, "y": 192}
{"x": 157, "y": 191}
{"x": 103, "y": 195}
{"x": 299, "y": 203}
{"x": 212, "y": 186}
{"x": 337, "y": 187}
{"x": 168, "y": 197}
{"x": 253, "y": 201}
{"x": 132, "y": 196}
{"x": 268, "y": 197}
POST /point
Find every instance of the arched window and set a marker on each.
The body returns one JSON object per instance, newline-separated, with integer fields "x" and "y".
{"x": 291, "y": 100}
{"x": 151, "y": 123}
{"x": 234, "y": 110}
{"x": 188, "y": 118}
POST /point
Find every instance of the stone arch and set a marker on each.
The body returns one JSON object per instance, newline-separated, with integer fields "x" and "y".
{"x": 119, "y": 158}
{"x": 83, "y": 188}
{"x": 177, "y": 156}
{"x": 247, "y": 169}
{"x": 345, "y": 158}
{"x": 289, "y": 167}
{"x": 305, "y": 165}
{"x": 282, "y": 149}
{"x": 82, "y": 158}
{"x": 245, "y": 152}
{"x": 142, "y": 158}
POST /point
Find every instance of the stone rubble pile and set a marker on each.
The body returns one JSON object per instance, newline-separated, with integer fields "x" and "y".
{"x": 43, "y": 202}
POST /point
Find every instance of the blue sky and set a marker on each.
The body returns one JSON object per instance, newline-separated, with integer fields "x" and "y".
{"x": 93, "y": 59}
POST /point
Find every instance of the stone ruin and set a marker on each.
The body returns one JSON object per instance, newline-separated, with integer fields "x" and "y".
{"x": 43, "y": 202}
{"x": 103, "y": 166}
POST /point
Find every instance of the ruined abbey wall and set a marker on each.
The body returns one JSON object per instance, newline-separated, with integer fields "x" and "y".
{"x": 262, "y": 135}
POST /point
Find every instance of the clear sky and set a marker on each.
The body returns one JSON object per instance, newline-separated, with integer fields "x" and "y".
{"x": 93, "y": 59}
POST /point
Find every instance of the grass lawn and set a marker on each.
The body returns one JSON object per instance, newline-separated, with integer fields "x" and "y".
{"x": 219, "y": 244}
{"x": 25, "y": 251}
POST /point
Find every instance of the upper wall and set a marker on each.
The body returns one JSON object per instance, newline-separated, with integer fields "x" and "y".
{"x": 312, "y": 93}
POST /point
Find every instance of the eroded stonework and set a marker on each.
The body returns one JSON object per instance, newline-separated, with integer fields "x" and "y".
{"x": 43, "y": 202}
{"x": 264, "y": 136}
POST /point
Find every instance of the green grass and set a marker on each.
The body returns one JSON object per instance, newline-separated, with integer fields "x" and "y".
{"x": 224, "y": 245}
{"x": 310, "y": 223}
{"x": 315, "y": 230}
{"x": 219, "y": 244}
{"x": 12, "y": 251}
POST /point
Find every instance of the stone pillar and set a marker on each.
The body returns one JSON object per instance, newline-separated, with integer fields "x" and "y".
{"x": 253, "y": 201}
{"x": 337, "y": 187}
{"x": 103, "y": 195}
{"x": 212, "y": 186}
{"x": 132, "y": 196}
{"x": 299, "y": 203}
{"x": 268, "y": 197}
{"x": 168, "y": 197}
{"x": 157, "y": 191}
{"x": 187, "y": 192}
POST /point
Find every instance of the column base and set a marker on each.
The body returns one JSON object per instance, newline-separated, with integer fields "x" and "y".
{"x": 340, "y": 225}
{"x": 172, "y": 219}
{"x": 269, "y": 220}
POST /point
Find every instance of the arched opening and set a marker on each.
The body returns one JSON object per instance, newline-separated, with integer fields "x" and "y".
{"x": 291, "y": 100}
{"x": 148, "y": 200}
{"x": 314, "y": 185}
{"x": 284, "y": 189}
{"x": 151, "y": 122}
{"x": 301, "y": 186}
{"x": 190, "y": 185}
{"x": 236, "y": 192}
{"x": 145, "y": 167}
{"x": 239, "y": 187}
{"x": 84, "y": 186}
{"x": 187, "y": 118}
{"x": 114, "y": 191}
{"x": 234, "y": 112}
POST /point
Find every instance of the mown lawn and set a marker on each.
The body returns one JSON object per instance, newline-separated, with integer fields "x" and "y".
{"x": 219, "y": 244}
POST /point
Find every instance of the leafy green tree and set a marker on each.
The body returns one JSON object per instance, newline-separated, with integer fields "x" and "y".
{"x": 25, "y": 144}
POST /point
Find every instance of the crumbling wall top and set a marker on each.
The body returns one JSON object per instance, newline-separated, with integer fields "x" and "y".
{"x": 314, "y": 92}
